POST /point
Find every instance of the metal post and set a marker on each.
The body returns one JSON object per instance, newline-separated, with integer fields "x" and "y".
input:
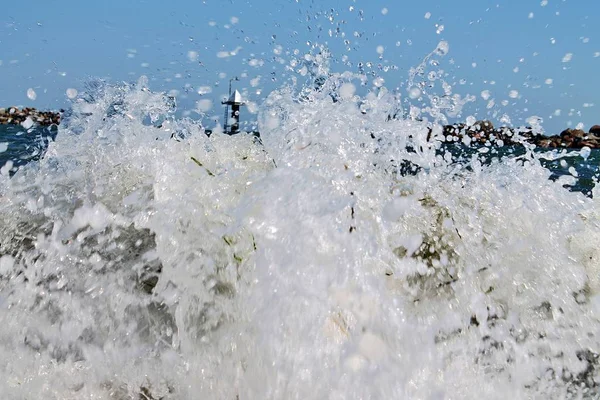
{"x": 235, "y": 78}
{"x": 235, "y": 116}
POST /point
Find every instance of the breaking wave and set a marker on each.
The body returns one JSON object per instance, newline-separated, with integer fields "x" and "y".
{"x": 344, "y": 254}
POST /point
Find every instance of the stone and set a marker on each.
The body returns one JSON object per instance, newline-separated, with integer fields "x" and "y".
{"x": 574, "y": 133}
{"x": 484, "y": 126}
{"x": 28, "y": 116}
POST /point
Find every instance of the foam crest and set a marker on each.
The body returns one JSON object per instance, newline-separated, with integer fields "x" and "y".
{"x": 345, "y": 254}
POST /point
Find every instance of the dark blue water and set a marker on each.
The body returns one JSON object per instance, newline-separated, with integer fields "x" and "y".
{"x": 588, "y": 171}
{"x": 559, "y": 162}
{"x": 25, "y": 146}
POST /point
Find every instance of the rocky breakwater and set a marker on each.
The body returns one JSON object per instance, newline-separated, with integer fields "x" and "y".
{"x": 28, "y": 117}
{"x": 483, "y": 132}
{"x": 573, "y": 138}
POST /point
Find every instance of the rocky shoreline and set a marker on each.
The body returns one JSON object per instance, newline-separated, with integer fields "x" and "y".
{"x": 480, "y": 132}
{"x": 28, "y": 117}
{"x": 483, "y": 132}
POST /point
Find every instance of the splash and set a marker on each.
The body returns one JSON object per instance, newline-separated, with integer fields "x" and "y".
{"x": 343, "y": 255}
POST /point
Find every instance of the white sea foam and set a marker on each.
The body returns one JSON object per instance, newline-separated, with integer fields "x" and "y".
{"x": 141, "y": 257}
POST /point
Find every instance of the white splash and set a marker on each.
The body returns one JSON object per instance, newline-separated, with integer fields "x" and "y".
{"x": 28, "y": 123}
{"x": 145, "y": 259}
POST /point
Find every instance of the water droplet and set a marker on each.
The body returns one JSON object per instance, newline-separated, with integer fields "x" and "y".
{"x": 204, "y": 105}
{"x": 202, "y": 90}
{"x": 442, "y": 48}
{"x": 347, "y": 90}
{"x": 414, "y": 93}
{"x": 378, "y": 82}
{"x": 585, "y": 152}
{"x": 192, "y": 55}
{"x": 71, "y": 93}
{"x": 31, "y": 94}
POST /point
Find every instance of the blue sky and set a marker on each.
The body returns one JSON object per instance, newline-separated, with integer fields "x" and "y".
{"x": 530, "y": 57}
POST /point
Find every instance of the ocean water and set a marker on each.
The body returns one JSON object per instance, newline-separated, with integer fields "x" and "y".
{"x": 18, "y": 145}
{"x": 578, "y": 169}
{"x": 142, "y": 259}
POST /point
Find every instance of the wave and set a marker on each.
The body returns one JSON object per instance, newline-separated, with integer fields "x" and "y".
{"x": 142, "y": 258}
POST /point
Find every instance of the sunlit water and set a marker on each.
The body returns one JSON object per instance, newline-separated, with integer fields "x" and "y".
{"x": 142, "y": 259}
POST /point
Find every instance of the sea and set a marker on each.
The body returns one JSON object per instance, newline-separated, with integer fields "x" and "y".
{"x": 340, "y": 255}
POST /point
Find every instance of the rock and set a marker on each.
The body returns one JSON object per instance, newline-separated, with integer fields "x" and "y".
{"x": 505, "y": 133}
{"x": 592, "y": 144}
{"x": 573, "y": 133}
{"x": 28, "y": 117}
{"x": 545, "y": 143}
{"x": 480, "y": 131}
{"x": 484, "y": 126}
{"x": 484, "y": 131}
